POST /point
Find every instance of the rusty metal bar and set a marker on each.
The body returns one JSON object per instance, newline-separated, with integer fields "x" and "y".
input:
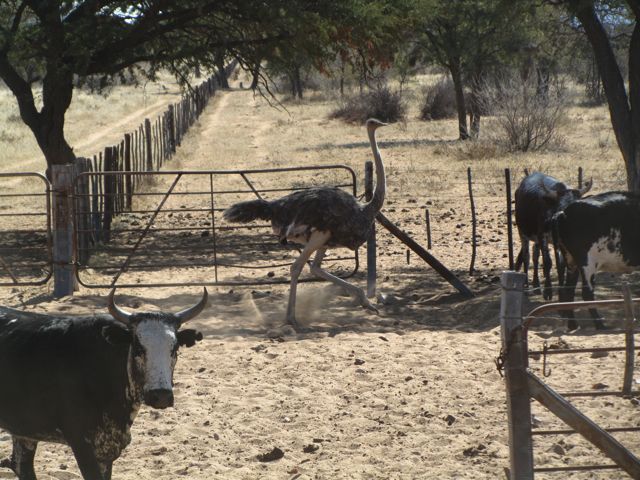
{"x": 555, "y": 307}
{"x": 572, "y": 432}
{"x": 562, "y": 351}
{"x": 244, "y": 177}
{"x": 600, "y": 393}
{"x": 576, "y": 468}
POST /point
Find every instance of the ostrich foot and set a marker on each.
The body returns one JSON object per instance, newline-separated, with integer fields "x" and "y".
{"x": 366, "y": 304}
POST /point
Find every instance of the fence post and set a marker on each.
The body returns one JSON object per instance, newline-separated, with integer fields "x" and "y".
{"x": 63, "y": 258}
{"x": 473, "y": 223}
{"x": 371, "y": 241}
{"x": 83, "y": 210}
{"x": 109, "y": 193}
{"x": 507, "y": 181}
{"x": 427, "y": 221}
{"x": 127, "y": 168}
{"x": 147, "y": 137}
{"x": 629, "y": 341}
{"x": 171, "y": 130}
{"x": 514, "y": 351}
{"x": 580, "y": 177}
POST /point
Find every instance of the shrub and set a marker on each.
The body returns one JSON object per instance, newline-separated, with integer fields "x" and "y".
{"x": 439, "y": 101}
{"x": 527, "y": 119}
{"x": 381, "y": 103}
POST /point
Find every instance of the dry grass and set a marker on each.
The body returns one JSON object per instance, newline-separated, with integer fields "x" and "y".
{"x": 92, "y": 122}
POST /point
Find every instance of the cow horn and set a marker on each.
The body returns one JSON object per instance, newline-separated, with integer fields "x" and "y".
{"x": 116, "y": 312}
{"x": 587, "y": 187}
{"x": 191, "y": 312}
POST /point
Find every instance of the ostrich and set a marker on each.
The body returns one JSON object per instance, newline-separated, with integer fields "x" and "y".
{"x": 319, "y": 218}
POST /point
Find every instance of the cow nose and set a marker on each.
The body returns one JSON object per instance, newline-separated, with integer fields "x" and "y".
{"x": 159, "y": 398}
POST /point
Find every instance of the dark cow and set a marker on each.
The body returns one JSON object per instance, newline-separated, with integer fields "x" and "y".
{"x": 81, "y": 381}
{"x": 600, "y": 233}
{"x": 538, "y": 198}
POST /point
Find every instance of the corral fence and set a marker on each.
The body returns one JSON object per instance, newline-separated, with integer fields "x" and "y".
{"x": 176, "y": 222}
{"x": 522, "y": 385}
{"x": 482, "y": 216}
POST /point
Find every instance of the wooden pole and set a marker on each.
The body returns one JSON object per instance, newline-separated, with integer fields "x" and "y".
{"x": 474, "y": 226}
{"x": 127, "y": 168}
{"x": 566, "y": 412}
{"x": 514, "y": 349}
{"x": 171, "y": 130}
{"x": 371, "y": 241}
{"x": 109, "y": 191}
{"x": 507, "y": 181}
{"x": 629, "y": 320}
{"x": 426, "y": 256}
{"x": 83, "y": 210}
{"x": 63, "y": 252}
{"x": 149, "y": 153}
{"x": 580, "y": 177}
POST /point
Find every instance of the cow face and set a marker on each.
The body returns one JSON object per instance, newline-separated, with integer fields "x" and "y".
{"x": 155, "y": 340}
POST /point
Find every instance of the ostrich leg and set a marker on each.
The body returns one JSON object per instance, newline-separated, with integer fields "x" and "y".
{"x": 316, "y": 241}
{"x": 352, "y": 289}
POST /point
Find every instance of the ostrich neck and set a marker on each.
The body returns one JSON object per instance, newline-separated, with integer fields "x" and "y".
{"x": 375, "y": 205}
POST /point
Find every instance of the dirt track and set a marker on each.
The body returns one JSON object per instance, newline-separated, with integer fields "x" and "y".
{"x": 410, "y": 393}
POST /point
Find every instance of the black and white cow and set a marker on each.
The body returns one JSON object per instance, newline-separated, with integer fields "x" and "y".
{"x": 600, "y": 233}
{"x": 538, "y": 198}
{"x": 81, "y": 381}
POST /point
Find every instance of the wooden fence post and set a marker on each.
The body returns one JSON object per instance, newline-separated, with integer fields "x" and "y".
{"x": 83, "y": 210}
{"x": 109, "y": 193}
{"x": 514, "y": 350}
{"x": 63, "y": 259}
{"x": 147, "y": 135}
{"x": 371, "y": 241}
{"x": 474, "y": 227}
{"x": 427, "y": 221}
{"x": 127, "y": 168}
{"x": 171, "y": 130}
{"x": 507, "y": 181}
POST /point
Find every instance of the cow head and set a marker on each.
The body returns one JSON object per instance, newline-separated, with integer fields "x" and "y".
{"x": 560, "y": 196}
{"x": 154, "y": 340}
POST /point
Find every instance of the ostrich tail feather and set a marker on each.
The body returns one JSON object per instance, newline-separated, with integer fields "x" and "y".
{"x": 244, "y": 212}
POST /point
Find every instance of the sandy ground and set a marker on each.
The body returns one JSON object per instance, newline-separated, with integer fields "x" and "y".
{"x": 411, "y": 393}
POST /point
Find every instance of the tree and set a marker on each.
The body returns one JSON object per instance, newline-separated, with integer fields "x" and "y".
{"x": 624, "y": 104}
{"x": 471, "y": 38}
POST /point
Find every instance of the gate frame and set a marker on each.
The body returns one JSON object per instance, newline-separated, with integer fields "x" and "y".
{"x": 49, "y": 233}
{"x": 84, "y": 178}
{"x": 522, "y": 386}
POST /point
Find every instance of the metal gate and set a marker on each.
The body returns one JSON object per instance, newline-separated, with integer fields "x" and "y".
{"x": 130, "y": 228}
{"x": 25, "y": 236}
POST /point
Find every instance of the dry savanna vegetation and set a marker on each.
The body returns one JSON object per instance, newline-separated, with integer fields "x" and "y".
{"x": 410, "y": 393}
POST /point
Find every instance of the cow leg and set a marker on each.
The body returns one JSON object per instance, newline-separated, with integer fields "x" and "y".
{"x": 547, "y": 293}
{"x": 560, "y": 266}
{"x": 523, "y": 257}
{"x": 588, "y": 295}
{"x": 567, "y": 294}
{"x": 536, "y": 261}
{"x": 21, "y": 461}
{"x": 86, "y": 459}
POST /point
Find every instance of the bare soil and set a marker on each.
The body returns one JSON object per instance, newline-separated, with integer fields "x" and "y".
{"x": 410, "y": 393}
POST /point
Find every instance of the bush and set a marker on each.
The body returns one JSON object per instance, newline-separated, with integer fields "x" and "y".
{"x": 381, "y": 103}
{"x": 528, "y": 119}
{"x": 439, "y": 101}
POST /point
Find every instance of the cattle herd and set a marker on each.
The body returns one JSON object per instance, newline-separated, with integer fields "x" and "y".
{"x": 81, "y": 381}
{"x": 591, "y": 234}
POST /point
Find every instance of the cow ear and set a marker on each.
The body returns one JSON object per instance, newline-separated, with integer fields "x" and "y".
{"x": 116, "y": 335}
{"x": 188, "y": 337}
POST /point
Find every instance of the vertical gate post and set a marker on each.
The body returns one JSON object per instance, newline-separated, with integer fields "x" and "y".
{"x": 83, "y": 214}
{"x": 514, "y": 349}
{"x": 474, "y": 226}
{"x": 629, "y": 320}
{"x": 63, "y": 255}
{"x": 371, "y": 241}
{"x": 171, "y": 130}
{"x": 147, "y": 139}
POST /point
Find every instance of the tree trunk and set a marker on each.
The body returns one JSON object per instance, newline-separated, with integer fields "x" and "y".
{"x": 456, "y": 76}
{"x": 475, "y": 110}
{"x": 221, "y": 73}
{"x": 256, "y": 76}
{"x": 297, "y": 81}
{"x": 624, "y": 112}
